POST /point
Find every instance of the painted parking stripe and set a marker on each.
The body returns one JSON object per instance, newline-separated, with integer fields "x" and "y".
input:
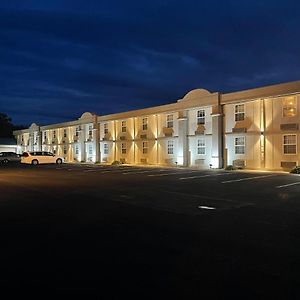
{"x": 172, "y": 173}
{"x": 203, "y": 176}
{"x": 141, "y": 172}
{"x": 286, "y": 185}
{"x": 248, "y": 178}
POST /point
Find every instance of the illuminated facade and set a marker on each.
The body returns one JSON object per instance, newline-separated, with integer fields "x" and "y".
{"x": 257, "y": 128}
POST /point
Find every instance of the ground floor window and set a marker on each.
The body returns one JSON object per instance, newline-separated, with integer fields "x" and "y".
{"x": 170, "y": 147}
{"x": 76, "y": 150}
{"x": 145, "y": 147}
{"x": 201, "y": 146}
{"x": 239, "y": 143}
{"x": 123, "y": 148}
{"x": 290, "y": 144}
{"x": 90, "y": 149}
{"x": 105, "y": 148}
{"x": 65, "y": 150}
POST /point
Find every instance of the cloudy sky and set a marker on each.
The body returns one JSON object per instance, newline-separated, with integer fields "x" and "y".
{"x": 60, "y": 58}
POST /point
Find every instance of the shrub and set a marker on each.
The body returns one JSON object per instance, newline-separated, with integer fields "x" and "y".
{"x": 116, "y": 163}
{"x": 296, "y": 170}
{"x": 230, "y": 168}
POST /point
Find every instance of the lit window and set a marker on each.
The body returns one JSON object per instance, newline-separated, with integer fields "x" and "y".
{"x": 145, "y": 123}
{"x": 123, "y": 148}
{"x": 105, "y": 126}
{"x": 170, "y": 147}
{"x": 239, "y": 143}
{"x": 290, "y": 144}
{"x": 201, "y": 117}
{"x": 170, "y": 121}
{"x": 201, "y": 147}
{"x": 90, "y": 149}
{"x": 145, "y": 147}
{"x": 239, "y": 112}
{"x": 289, "y": 106}
{"x": 105, "y": 148}
{"x": 123, "y": 126}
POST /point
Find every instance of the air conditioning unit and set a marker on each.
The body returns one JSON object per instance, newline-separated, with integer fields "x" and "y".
{"x": 104, "y": 159}
{"x": 169, "y": 161}
{"x": 143, "y": 136}
{"x": 123, "y": 138}
{"x": 199, "y": 162}
{"x": 123, "y": 160}
{"x": 289, "y": 126}
{"x": 144, "y": 160}
{"x": 239, "y": 130}
{"x": 288, "y": 164}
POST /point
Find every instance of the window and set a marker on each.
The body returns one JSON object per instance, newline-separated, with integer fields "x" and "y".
{"x": 105, "y": 126}
{"x": 201, "y": 117}
{"x": 170, "y": 147}
{"x": 239, "y": 112}
{"x": 105, "y": 148}
{"x": 45, "y": 135}
{"x": 145, "y": 123}
{"x": 54, "y": 134}
{"x": 90, "y": 130}
{"x": 77, "y": 130}
{"x": 290, "y": 144}
{"x": 123, "y": 125}
{"x": 201, "y": 146}
{"x": 123, "y": 148}
{"x": 22, "y": 138}
{"x": 90, "y": 149}
{"x": 54, "y": 151}
{"x": 145, "y": 147}
{"x": 65, "y": 150}
{"x": 76, "y": 150}
{"x": 289, "y": 106}
{"x": 239, "y": 143}
{"x": 65, "y": 133}
{"x": 170, "y": 121}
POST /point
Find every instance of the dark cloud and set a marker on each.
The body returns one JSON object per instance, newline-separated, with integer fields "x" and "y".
{"x": 60, "y": 58}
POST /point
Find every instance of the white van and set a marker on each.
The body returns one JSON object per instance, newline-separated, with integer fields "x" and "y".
{"x": 39, "y": 157}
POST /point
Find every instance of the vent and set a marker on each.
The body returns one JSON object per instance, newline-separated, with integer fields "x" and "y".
{"x": 168, "y": 131}
{"x": 143, "y": 136}
{"x": 290, "y": 126}
{"x": 239, "y": 163}
{"x": 200, "y": 130}
{"x": 123, "y": 160}
{"x": 123, "y": 138}
{"x": 144, "y": 160}
{"x": 238, "y": 130}
{"x": 288, "y": 164}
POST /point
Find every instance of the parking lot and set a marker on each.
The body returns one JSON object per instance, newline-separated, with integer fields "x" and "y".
{"x": 150, "y": 231}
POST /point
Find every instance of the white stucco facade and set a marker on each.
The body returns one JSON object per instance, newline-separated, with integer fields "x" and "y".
{"x": 257, "y": 129}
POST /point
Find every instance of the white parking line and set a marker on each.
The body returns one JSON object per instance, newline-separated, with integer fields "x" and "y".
{"x": 206, "y": 207}
{"x": 202, "y": 176}
{"x": 172, "y": 173}
{"x": 286, "y": 185}
{"x": 248, "y": 178}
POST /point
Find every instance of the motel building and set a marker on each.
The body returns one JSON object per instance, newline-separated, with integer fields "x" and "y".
{"x": 255, "y": 129}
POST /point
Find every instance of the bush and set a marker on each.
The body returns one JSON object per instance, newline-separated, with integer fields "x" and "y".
{"x": 230, "y": 168}
{"x": 116, "y": 163}
{"x": 296, "y": 170}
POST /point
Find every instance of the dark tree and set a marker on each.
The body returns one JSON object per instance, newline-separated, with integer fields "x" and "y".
{"x": 6, "y": 126}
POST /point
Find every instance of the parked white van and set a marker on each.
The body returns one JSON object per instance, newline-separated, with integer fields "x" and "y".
{"x": 39, "y": 157}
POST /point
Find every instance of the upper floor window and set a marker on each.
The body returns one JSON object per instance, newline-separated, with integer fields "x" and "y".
{"x": 145, "y": 147}
{"x": 90, "y": 130}
{"x": 90, "y": 149}
{"x": 65, "y": 133}
{"x": 54, "y": 134}
{"x": 170, "y": 121}
{"x": 123, "y": 126}
{"x": 201, "y": 117}
{"x": 123, "y": 148}
{"x": 145, "y": 123}
{"x": 170, "y": 147}
{"x": 22, "y": 138}
{"x": 201, "y": 146}
{"x": 105, "y": 148}
{"x": 290, "y": 144}
{"x": 239, "y": 112}
{"x": 239, "y": 145}
{"x": 105, "y": 127}
{"x": 65, "y": 150}
{"x": 77, "y": 131}
{"x": 289, "y": 106}
{"x": 45, "y": 135}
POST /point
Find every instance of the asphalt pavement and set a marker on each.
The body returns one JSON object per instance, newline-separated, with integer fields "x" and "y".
{"x": 104, "y": 232}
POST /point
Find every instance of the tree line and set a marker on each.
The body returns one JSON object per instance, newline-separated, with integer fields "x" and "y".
{"x": 7, "y": 127}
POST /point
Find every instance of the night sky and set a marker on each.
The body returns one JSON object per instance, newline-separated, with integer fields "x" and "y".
{"x": 60, "y": 58}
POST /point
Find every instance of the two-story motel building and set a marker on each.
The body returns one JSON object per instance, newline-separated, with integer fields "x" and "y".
{"x": 257, "y": 128}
